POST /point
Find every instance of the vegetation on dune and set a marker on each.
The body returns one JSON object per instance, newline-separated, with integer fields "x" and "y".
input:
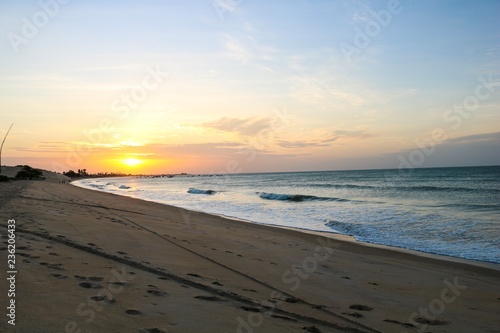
{"x": 30, "y": 173}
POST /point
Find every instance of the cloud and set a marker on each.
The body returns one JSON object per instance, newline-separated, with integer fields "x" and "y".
{"x": 488, "y": 137}
{"x": 45, "y": 147}
{"x": 300, "y": 144}
{"x": 247, "y": 126}
{"x": 332, "y": 136}
{"x": 325, "y": 139}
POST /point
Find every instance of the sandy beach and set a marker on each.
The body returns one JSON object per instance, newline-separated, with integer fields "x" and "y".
{"x": 94, "y": 262}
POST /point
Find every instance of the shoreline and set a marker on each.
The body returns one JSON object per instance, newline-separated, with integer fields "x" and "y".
{"x": 351, "y": 239}
{"x": 100, "y": 262}
{"x": 334, "y": 235}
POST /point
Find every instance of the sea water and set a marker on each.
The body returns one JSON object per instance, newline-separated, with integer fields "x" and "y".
{"x": 448, "y": 211}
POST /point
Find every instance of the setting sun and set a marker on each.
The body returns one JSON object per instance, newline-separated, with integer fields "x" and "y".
{"x": 132, "y": 162}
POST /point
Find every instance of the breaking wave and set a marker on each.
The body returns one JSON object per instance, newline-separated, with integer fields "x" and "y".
{"x": 193, "y": 190}
{"x": 295, "y": 197}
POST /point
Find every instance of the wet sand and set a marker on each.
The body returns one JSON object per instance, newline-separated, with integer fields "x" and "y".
{"x": 95, "y": 262}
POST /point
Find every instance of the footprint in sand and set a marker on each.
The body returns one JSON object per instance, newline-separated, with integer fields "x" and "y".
{"x": 53, "y": 266}
{"x": 311, "y": 329}
{"x": 90, "y": 285}
{"x": 157, "y": 292}
{"x": 95, "y": 278}
{"x": 151, "y": 330}
{"x": 360, "y": 307}
{"x": 91, "y": 278}
{"x": 133, "y": 312}
{"x": 103, "y": 299}
{"x": 119, "y": 283}
{"x": 353, "y": 314}
{"x": 59, "y": 276}
{"x": 208, "y": 298}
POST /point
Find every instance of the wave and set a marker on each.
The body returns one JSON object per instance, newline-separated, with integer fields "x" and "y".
{"x": 295, "y": 197}
{"x": 470, "y": 206}
{"x": 345, "y": 228}
{"x": 407, "y": 188}
{"x": 440, "y": 189}
{"x": 193, "y": 190}
{"x": 350, "y": 186}
{"x": 101, "y": 187}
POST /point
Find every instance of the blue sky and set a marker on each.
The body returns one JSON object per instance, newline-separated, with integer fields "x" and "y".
{"x": 263, "y": 84}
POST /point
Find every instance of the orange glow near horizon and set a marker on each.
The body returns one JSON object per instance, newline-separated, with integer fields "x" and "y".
{"x": 135, "y": 164}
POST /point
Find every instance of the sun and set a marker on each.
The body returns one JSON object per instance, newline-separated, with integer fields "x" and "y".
{"x": 132, "y": 162}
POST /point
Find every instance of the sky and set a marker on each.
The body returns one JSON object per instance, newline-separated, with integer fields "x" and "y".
{"x": 230, "y": 86}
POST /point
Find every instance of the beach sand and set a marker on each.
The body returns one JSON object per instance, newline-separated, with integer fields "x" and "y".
{"x": 95, "y": 262}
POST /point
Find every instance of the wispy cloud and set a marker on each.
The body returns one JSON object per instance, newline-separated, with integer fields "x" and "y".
{"x": 300, "y": 144}
{"x": 243, "y": 126}
{"x": 488, "y": 137}
{"x": 45, "y": 147}
{"x": 325, "y": 139}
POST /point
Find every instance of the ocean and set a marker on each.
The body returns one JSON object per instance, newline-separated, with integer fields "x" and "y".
{"x": 447, "y": 211}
